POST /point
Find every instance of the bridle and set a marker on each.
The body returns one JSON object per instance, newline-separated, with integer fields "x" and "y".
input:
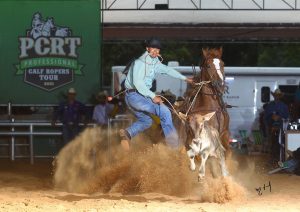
{"x": 216, "y": 85}
{"x": 216, "y": 88}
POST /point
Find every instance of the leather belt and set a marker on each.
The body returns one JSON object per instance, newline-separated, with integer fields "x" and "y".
{"x": 131, "y": 90}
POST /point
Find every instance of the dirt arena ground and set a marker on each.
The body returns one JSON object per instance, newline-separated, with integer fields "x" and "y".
{"x": 152, "y": 180}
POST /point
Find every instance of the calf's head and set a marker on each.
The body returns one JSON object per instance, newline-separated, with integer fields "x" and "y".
{"x": 196, "y": 122}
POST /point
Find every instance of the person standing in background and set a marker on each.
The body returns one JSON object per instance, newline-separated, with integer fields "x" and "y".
{"x": 276, "y": 111}
{"x": 103, "y": 109}
{"x": 70, "y": 113}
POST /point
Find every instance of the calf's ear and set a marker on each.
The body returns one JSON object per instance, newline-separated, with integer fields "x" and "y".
{"x": 208, "y": 116}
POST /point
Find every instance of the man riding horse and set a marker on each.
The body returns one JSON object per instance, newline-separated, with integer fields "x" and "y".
{"x": 142, "y": 101}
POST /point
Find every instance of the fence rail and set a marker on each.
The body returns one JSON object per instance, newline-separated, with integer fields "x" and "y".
{"x": 107, "y": 5}
{"x": 31, "y": 132}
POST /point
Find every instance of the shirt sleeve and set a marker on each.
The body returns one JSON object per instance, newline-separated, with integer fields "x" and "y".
{"x": 138, "y": 80}
{"x": 163, "y": 69}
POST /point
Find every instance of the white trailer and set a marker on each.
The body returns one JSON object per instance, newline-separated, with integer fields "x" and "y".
{"x": 249, "y": 89}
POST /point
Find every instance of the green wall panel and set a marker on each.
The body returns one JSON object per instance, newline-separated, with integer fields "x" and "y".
{"x": 47, "y": 47}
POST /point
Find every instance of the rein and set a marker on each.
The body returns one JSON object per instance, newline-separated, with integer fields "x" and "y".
{"x": 180, "y": 115}
{"x": 210, "y": 94}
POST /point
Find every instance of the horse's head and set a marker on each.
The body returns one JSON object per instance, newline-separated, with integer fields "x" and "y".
{"x": 49, "y": 23}
{"x": 212, "y": 67}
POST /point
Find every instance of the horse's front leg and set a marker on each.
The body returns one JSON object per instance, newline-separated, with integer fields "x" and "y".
{"x": 191, "y": 155}
{"x": 204, "y": 157}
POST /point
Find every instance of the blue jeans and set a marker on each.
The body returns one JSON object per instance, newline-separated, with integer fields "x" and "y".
{"x": 142, "y": 107}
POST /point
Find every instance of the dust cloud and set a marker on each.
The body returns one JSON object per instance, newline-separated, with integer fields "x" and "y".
{"x": 91, "y": 163}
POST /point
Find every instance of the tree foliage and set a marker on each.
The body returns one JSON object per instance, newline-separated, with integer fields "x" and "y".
{"x": 189, "y": 53}
{"x": 287, "y": 55}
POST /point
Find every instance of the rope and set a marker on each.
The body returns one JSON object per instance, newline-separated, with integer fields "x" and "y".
{"x": 118, "y": 94}
{"x": 200, "y": 84}
{"x": 172, "y": 107}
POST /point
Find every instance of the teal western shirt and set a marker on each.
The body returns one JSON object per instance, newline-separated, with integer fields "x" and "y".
{"x": 144, "y": 71}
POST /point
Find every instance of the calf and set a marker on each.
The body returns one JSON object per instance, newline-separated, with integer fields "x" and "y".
{"x": 206, "y": 143}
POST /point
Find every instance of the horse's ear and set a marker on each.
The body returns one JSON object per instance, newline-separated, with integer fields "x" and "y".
{"x": 208, "y": 116}
{"x": 220, "y": 51}
{"x": 204, "y": 52}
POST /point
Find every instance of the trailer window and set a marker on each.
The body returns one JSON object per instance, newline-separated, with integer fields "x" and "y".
{"x": 265, "y": 94}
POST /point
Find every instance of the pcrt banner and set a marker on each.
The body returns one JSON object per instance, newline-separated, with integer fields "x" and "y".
{"x": 48, "y": 46}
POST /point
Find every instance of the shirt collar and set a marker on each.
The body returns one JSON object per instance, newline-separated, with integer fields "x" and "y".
{"x": 146, "y": 58}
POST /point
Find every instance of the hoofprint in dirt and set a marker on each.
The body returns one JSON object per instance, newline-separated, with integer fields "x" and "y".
{"x": 155, "y": 179}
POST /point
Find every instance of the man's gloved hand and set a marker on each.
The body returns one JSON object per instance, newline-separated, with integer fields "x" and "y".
{"x": 190, "y": 80}
{"x": 157, "y": 100}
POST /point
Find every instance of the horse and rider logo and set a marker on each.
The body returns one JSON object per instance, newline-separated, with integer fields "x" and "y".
{"x": 46, "y": 28}
{"x": 48, "y": 54}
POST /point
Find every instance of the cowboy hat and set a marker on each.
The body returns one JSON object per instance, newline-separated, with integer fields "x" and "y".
{"x": 277, "y": 92}
{"x": 153, "y": 43}
{"x": 102, "y": 95}
{"x": 72, "y": 91}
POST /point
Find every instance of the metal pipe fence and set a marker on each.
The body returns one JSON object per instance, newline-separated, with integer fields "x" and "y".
{"x": 30, "y": 132}
{"x": 113, "y": 125}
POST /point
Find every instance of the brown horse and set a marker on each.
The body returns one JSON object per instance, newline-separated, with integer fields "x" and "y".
{"x": 208, "y": 98}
